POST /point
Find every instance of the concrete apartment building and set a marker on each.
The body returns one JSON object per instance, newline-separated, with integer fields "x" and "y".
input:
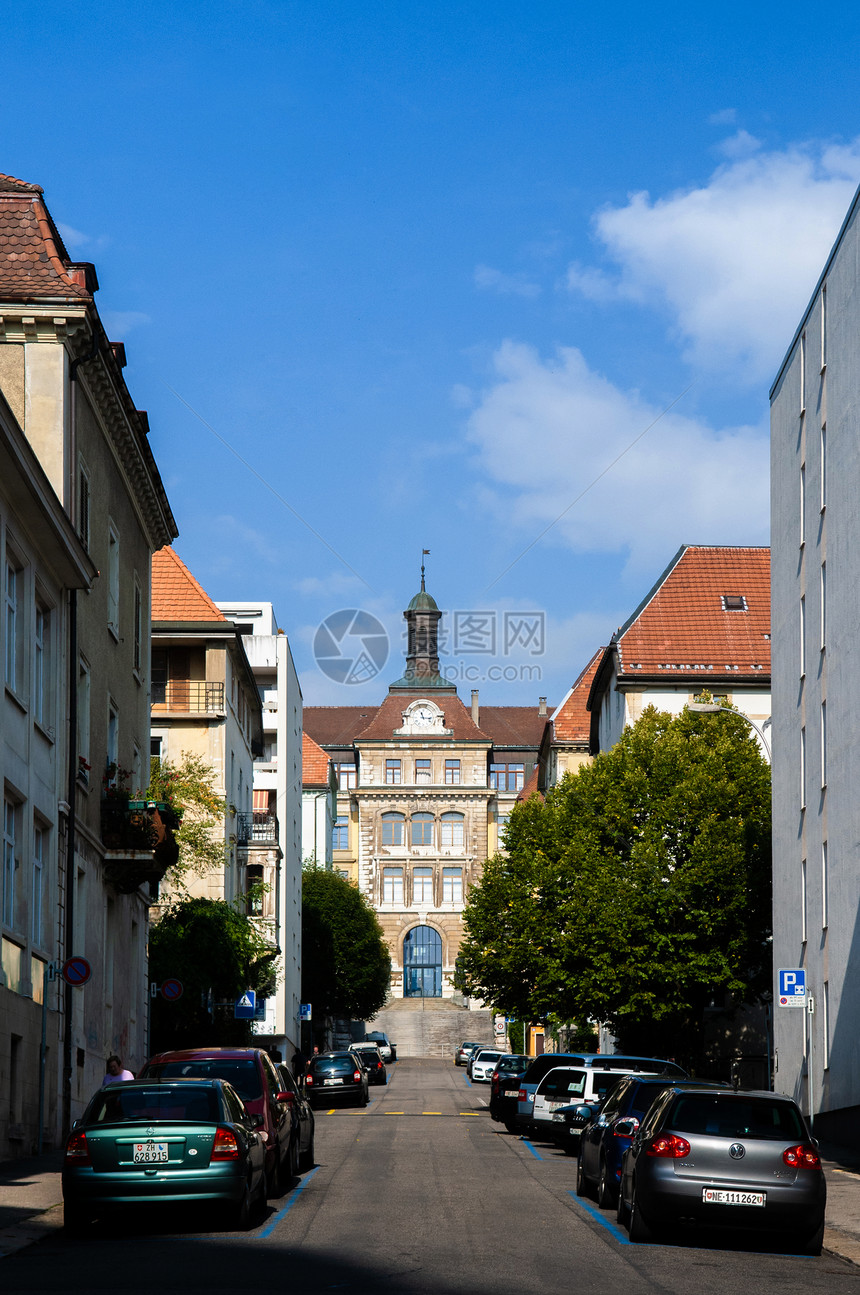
{"x": 277, "y": 803}
{"x": 815, "y": 480}
{"x": 76, "y": 672}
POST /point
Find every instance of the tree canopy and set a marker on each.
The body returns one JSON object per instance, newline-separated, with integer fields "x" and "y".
{"x": 345, "y": 961}
{"x": 189, "y": 787}
{"x": 217, "y": 954}
{"x": 637, "y": 891}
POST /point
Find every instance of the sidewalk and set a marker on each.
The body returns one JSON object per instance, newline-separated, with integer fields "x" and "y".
{"x": 31, "y": 1201}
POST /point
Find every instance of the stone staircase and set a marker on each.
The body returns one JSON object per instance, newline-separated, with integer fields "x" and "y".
{"x": 431, "y": 1027}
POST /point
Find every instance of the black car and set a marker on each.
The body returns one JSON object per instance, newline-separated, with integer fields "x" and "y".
{"x": 371, "y": 1059}
{"x": 602, "y": 1147}
{"x": 336, "y": 1076}
{"x": 505, "y": 1087}
{"x": 302, "y": 1118}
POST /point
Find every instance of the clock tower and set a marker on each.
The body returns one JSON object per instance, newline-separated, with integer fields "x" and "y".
{"x": 422, "y": 617}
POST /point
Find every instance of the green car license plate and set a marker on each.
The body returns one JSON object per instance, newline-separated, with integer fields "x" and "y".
{"x": 148, "y": 1153}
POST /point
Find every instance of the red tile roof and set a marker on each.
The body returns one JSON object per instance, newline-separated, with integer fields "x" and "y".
{"x": 531, "y": 787}
{"x": 513, "y": 725}
{"x": 34, "y": 263}
{"x": 683, "y": 628}
{"x": 176, "y": 595}
{"x": 336, "y": 725}
{"x": 458, "y": 720}
{"x": 572, "y": 722}
{"x": 315, "y": 763}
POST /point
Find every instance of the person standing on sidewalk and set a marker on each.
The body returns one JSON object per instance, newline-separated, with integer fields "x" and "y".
{"x": 115, "y": 1073}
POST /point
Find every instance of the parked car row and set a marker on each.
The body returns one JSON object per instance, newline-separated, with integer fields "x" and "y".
{"x": 665, "y": 1150}
{"x": 219, "y": 1127}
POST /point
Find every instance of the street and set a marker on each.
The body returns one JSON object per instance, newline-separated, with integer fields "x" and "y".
{"x": 419, "y": 1192}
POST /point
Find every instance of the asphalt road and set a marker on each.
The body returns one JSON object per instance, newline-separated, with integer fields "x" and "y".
{"x": 418, "y": 1193}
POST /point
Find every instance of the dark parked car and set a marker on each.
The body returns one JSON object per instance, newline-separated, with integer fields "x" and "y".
{"x": 144, "y": 1143}
{"x": 301, "y": 1116}
{"x": 725, "y": 1160}
{"x": 252, "y": 1073}
{"x": 369, "y": 1056}
{"x": 333, "y": 1076}
{"x": 602, "y": 1147}
{"x": 505, "y": 1087}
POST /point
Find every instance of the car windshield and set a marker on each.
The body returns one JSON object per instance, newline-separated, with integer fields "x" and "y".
{"x": 137, "y": 1105}
{"x": 735, "y": 1117}
{"x": 241, "y": 1072}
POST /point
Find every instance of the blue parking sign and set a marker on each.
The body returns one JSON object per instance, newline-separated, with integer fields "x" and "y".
{"x": 791, "y": 987}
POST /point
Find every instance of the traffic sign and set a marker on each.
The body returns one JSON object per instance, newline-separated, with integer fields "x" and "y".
{"x": 76, "y": 971}
{"x": 171, "y": 990}
{"x": 245, "y": 1006}
{"x": 791, "y": 989}
{"x": 304, "y": 1011}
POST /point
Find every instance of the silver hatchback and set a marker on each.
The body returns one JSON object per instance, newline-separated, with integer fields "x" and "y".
{"x": 730, "y": 1160}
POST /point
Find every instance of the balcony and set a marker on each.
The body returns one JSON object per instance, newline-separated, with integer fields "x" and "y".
{"x": 257, "y": 828}
{"x": 139, "y": 841}
{"x": 195, "y": 695}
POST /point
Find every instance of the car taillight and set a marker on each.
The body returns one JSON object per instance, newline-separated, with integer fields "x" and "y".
{"x": 803, "y": 1156}
{"x": 77, "y": 1151}
{"x": 309, "y": 1081}
{"x": 225, "y": 1146}
{"x": 356, "y": 1074}
{"x": 673, "y": 1147}
{"x": 522, "y": 1095}
{"x": 631, "y": 1120}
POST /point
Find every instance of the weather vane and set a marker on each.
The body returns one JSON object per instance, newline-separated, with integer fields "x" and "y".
{"x": 425, "y": 553}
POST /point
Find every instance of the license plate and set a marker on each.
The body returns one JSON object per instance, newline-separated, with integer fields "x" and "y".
{"x": 147, "y": 1153}
{"x": 719, "y": 1196}
{"x": 328, "y": 1083}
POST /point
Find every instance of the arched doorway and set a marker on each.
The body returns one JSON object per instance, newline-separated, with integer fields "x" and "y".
{"x": 422, "y": 963}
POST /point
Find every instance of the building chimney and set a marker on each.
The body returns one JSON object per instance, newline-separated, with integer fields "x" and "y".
{"x": 475, "y": 711}
{"x": 541, "y": 705}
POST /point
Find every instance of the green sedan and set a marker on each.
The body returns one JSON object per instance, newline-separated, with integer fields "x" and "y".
{"x": 180, "y": 1141}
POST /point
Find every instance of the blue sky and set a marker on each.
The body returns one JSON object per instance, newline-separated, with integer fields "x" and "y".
{"x": 430, "y": 271}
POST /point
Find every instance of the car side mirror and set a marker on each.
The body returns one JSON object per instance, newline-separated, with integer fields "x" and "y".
{"x": 584, "y": 1112}
{"x": 256, "y": 1120}
{"x": 287, "y": 1097}
{"x": 626, "y": 1128}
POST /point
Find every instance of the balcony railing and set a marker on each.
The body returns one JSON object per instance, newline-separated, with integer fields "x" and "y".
{"x": 257, "y": 828}
{"x": 188, "y": 695}
{"x": 139, "y": 841}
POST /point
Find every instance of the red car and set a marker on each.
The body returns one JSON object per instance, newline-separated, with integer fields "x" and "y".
{"x": 254, "y": 1077}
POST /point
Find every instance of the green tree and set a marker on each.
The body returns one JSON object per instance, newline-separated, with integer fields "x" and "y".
{"x": 189, "y": 787}
{"x": 346, "y": 966}
{"x": 638, "y": 889}
{"x": 217, "y": 954}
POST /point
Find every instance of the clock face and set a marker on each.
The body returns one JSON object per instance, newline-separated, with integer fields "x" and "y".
{"x": 422, "y": 715}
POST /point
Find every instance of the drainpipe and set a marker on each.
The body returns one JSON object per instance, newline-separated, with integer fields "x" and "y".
{"x": 72, "y": 756}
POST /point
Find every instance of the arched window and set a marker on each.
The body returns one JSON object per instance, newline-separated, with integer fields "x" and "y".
{"x": 422, "y": 963}
{"x": 453, "y": 832}
{"x": 393, "y": 829}
{"x": 422, "y": 829}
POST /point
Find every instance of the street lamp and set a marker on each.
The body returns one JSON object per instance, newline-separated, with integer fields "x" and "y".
{"x": 711, "y": 708}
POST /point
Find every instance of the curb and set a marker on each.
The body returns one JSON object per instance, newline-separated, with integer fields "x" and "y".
{"x": 38, "y": 1227}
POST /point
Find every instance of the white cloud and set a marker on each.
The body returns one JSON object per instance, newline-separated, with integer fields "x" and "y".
{"x": 725, "y": 117}
{"x": 546, "y": 428}
{"x": 741, "y": 144}
{"x": 736, "y": 259}
{"x": 119, "y": 323}
{"x": 505, "y": 284}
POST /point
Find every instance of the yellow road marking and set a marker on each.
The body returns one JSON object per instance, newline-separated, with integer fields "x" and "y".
{"x": 471, "y": 1112}
{"x": 332, "y": 1111}
{"x": 431, "y": 1112}
{"x": 393, "y": 1112}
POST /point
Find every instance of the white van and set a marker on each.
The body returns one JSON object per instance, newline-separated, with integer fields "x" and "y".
{"x": 576, "y": 1085}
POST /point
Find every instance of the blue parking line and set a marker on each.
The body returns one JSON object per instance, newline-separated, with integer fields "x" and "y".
{"x": 532, "y": 1150}
{"x": 291, "y": 1200}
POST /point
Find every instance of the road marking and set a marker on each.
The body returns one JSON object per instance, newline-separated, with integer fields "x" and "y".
{"x": 393, "y": 1112}
{"x": 291, "y": 1200}
{"x": 431, "y": 1112}
{"x": 470, "y": 1112}
{"x": 532, "y": 1150}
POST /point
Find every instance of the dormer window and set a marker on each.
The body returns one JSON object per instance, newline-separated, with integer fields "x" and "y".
{"x": 734, "y": 603}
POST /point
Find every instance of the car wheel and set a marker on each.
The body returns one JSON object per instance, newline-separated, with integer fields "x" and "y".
{"x": 511, "y": 1126}
{"x": 812, "y": 1245}
{"x": 237, "y": 1218}
{"x": 306, "y": 1159}
{"x": 637, "y": 1229}
{"x": 583, "y": 1187}
{"x": 605, "y": 1189}
{"x": 76, "y": 1220}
